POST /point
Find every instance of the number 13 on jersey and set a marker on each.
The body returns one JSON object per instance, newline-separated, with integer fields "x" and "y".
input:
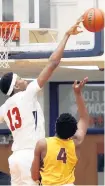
{"x": 15, "y": 118}
{"x": 17, "y": 122}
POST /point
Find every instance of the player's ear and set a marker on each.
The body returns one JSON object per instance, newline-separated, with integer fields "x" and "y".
{"x": 16, "y": 87}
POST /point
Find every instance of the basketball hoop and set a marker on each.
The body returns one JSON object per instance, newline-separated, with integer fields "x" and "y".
{"x": 9, "y": 32}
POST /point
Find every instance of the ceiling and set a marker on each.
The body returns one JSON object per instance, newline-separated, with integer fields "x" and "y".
{"x": 32, "y": 68}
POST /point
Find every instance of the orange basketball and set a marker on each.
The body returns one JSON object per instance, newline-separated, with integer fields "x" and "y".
{"x": 94, "y": 20}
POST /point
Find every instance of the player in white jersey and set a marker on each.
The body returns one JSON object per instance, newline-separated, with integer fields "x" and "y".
{"x": 24, "y": 116}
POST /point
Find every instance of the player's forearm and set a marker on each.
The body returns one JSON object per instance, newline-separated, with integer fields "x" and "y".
{"x": 54, "y": 60}
{"x": 58, "y": 53}
{"x": 82, "y": 110}
{"x": 35, "y": 173}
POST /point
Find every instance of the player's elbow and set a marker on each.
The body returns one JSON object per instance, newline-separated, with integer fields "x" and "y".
{"x": 85, "y": 120}
{"x": 35, "y": 177}
{"x": 85, "y": 117}
{"x": 34, "y": 174}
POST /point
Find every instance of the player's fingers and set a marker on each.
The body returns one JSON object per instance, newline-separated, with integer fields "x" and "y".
{"x": 79, "y": 29}
{"x": 75, "y": 83}
{"x": 81, "y": 19}
{"x": 79, "y": 32}
{"x": 85, "y": 80}
{"x": 81, "y": 84}
{"x": 77, "y": 26}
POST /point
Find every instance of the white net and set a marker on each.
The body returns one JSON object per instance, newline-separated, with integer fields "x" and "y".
{"x": 6, "y": 37}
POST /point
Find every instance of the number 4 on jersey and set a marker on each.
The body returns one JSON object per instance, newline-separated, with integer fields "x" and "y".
{"x": 62, "y": 155}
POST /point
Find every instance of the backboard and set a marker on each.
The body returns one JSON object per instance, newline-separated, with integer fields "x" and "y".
{"x": 43, "y": 24}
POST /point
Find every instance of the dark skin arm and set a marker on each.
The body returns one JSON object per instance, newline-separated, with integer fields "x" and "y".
{"x": 83, "y": 123}
{"x": 39, "y": 154}
{"x": 35, "y": 169}
{"x": 56, "y": 56}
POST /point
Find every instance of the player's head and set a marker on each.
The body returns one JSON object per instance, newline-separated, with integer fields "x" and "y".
{"x": 66, "y": 126}
{"x": 11, "y": 83}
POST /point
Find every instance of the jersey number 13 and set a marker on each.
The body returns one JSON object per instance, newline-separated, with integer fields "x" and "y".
{"x": 18, "y": 122}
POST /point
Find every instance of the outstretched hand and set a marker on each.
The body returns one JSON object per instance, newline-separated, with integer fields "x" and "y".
{"x": 74, "y": 29}
{"x": 77, "y": 87}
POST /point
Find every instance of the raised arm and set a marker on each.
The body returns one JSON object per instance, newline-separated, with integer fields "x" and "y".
{"x": 83, "y": 123}
{"x": 56, "y": 56}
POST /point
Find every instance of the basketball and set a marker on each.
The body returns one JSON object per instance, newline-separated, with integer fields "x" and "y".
{"x": 94, "y": 20}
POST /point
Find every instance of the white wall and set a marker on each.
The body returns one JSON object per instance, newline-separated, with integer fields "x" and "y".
{"x": 64, "y": 14}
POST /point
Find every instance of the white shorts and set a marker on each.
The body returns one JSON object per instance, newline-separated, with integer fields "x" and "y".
{"x": 20, "y": 163}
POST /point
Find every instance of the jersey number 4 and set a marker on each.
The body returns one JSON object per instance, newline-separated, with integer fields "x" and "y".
{"x": 18, "y": 122}
{"x": 62, "y": 155}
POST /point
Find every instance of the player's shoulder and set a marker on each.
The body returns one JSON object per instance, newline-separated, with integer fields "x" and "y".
{"x": 41, "y": 143}
{"x": 33, "y": 85}
{"x": 15, "y": 97}
{"x": 78, "y": 138}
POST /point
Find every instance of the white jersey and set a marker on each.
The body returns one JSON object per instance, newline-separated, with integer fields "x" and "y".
{"x": 24, "y": 117}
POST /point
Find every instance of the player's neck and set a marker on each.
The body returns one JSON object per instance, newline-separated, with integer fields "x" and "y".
{"x": 16, "y": 91}
{"x": 61, "y": 138}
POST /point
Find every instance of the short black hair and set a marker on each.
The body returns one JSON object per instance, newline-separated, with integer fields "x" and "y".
{"x": 5, "y": 82}
{"x": 66, "y": 126}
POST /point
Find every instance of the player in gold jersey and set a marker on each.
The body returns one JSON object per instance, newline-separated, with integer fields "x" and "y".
{"x": 59, "y": 154}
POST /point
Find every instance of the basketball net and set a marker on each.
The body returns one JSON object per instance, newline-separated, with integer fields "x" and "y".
{"x": 6, "y": 37}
